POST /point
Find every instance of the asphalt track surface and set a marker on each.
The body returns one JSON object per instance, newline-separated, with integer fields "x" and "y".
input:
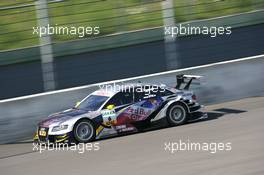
{"x": 239, "y": 122}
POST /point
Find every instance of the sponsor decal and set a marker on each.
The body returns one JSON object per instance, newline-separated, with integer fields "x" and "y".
{"x": 103, "y": 92}
{"x": 138, "y": 111}
{"x": 109, "y": 118}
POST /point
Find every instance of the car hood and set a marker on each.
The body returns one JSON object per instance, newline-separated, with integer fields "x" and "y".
{"x": 66, "y": 115}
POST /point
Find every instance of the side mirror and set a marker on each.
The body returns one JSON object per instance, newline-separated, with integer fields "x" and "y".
{"x": 110, "y": 107}
{"x": 77, "y": 104}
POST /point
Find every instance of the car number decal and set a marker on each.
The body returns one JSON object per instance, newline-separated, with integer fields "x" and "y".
{"x": 109, "y": 117}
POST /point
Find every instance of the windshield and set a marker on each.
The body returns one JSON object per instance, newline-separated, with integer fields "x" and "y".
{"x": 92, "y": 103}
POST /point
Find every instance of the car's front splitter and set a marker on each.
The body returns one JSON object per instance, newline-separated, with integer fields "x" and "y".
{"x": 63, "y": 138}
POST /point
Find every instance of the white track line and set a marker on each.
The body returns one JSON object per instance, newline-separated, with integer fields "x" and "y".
{"x": 132, "y": 78}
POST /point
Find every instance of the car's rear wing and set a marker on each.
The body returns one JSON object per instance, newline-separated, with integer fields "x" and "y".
{"x": 187, "y": 80}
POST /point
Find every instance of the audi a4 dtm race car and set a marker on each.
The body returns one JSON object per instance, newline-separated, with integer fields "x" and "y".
{"x": 136, "y": 107}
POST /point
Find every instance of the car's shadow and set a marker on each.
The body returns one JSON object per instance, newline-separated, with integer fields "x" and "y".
{"x": 212, "y": 115}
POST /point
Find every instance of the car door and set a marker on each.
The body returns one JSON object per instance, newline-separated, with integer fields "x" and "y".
{"x": 118, "y": 102}
{"x": 145, "y": 103}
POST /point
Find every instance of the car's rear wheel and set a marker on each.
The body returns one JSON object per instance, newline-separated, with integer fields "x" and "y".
{"x": 177, "y": 114}
{"x": 84, "y": 131}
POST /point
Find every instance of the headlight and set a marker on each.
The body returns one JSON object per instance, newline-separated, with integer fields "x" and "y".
{"x": 59, "y": 128}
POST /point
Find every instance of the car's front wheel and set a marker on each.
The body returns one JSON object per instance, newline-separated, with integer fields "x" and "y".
{"x": 84, "y": 131}
{"x": 177, "y": 114}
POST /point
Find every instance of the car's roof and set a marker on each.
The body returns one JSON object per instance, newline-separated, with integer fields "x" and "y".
{"x": 104, "y": 92}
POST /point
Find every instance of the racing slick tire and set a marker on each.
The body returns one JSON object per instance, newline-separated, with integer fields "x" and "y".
{"x": 177, "y": 114}
{"x": 84, "y": 131}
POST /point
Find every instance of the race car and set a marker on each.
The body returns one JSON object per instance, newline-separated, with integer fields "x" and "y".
{"x": 132, "y": 108}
